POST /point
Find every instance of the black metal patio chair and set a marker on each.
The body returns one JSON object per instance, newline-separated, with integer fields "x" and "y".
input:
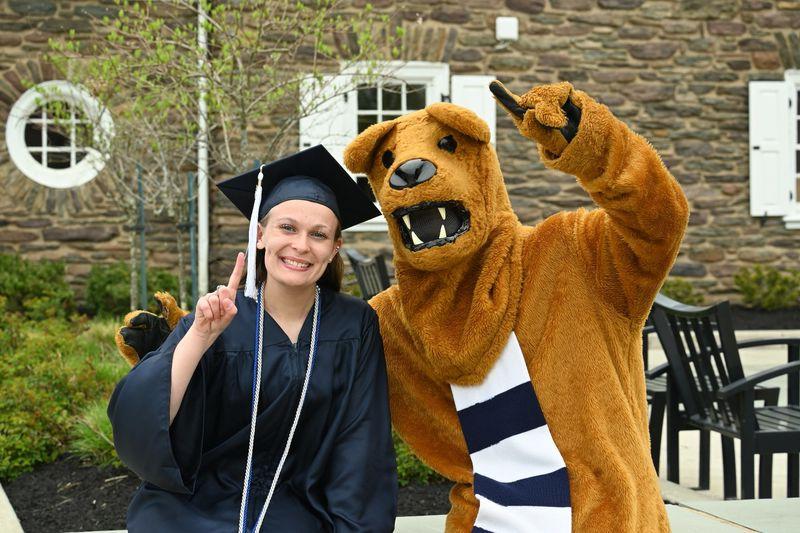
{"x": 706, "y": 379}
{"x": 371, "y": 273}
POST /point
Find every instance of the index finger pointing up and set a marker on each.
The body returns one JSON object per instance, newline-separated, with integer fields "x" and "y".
{"x": 236, "y": 275}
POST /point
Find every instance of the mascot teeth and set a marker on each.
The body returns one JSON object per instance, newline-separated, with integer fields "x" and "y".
{"x": 431, "y": 224}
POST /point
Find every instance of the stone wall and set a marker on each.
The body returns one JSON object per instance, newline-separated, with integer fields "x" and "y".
{"x": 675, "y": 71}
{"x": 80, "y": 226}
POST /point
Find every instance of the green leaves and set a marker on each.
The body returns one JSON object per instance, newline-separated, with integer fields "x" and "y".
{"x": 108, "y": 288}
{"x": 34, "y": 289}
{"x": 681, "y": 290}
{"x": 765, "y": 287}
{"x": 91, "y": 436}
{"x": 46, "y": 377}
{"x": 409, "y": 468}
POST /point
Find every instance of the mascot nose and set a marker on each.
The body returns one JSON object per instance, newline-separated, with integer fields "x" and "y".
{"x": 412, "y": 173}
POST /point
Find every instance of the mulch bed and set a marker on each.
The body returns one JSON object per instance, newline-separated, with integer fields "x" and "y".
{"x": 744, "y": 318}
{"x": 70, "y": 496}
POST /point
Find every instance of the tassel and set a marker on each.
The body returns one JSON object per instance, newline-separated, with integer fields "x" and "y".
{"x": 250, "y": 284}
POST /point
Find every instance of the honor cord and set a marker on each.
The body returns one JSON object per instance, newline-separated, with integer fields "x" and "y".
{"x": 256, "y": 387}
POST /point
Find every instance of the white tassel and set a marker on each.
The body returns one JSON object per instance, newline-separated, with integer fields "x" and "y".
{"x": 250, "y": 284}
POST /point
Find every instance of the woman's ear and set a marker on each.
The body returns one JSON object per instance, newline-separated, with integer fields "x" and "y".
{"x": 260, "y": 234}
{"x": 336, "y": 247}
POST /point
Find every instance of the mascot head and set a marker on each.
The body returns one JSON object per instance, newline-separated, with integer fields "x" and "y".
{"x": 437, "y": 180}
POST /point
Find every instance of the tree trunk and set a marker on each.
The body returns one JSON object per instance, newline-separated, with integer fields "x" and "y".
{"x": 134, "y": 272}
{"x": 181, "y": 275}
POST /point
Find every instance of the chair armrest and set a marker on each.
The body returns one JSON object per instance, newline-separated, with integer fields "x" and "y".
{"x": 743, "y": 384}
{"x": 656, "y": 371}
{"x": 768, "y": 342}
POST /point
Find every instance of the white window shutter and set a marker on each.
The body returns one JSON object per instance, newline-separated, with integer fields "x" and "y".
{"x": 473, "y": 93}
{"x": 332, "y": 119}
{"x": 771, "y": 149}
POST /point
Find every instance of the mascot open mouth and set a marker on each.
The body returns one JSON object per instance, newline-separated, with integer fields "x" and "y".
{"x": 431, "y": 224}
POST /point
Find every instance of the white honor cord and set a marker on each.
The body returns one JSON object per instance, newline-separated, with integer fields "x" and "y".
{"x": 312, "y": 352}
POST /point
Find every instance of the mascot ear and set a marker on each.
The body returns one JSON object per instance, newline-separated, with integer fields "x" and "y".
{"x": 460, "y": 119}
{"x": 358, "y": 154}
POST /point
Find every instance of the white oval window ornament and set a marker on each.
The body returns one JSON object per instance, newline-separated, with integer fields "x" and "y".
{"x": 56, "y": 134}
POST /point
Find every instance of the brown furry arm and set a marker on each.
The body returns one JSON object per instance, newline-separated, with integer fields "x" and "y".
{"x": 423, "y": 413}
{"x": 630, "y": 244}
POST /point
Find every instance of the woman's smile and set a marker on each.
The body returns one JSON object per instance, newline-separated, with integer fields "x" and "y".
{"x": 295, "y": 264}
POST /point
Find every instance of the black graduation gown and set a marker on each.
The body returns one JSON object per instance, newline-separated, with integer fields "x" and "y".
{"x": 340, "y": 474}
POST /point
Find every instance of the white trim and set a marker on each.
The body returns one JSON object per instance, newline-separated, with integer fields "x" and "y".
{"x": 770, "y": 147}
{"x": 473, "y": 93}
{"x": 59, "y": 90}
{"x": 792, "y": 219}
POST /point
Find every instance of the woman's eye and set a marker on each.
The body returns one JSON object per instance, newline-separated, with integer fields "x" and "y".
{"x": 387, "y": 159}
{"x": 286, "y": 227}
{"x": 318, "y": 235}
{"x": 447, "y": 143}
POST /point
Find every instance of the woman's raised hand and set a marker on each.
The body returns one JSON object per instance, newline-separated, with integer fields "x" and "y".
{"x": 215, "y": 310}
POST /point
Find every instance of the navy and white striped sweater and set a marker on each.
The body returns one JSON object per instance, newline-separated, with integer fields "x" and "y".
{"x": 520, "y": 478}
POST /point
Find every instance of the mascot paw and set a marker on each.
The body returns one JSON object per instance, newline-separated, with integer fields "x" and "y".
{"x": 547, "y": 114}
{"x": 168, "y": 308}
{"x": 143, "y": 331}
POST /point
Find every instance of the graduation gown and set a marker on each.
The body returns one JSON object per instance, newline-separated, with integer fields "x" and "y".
{"x": 340, "y": 474}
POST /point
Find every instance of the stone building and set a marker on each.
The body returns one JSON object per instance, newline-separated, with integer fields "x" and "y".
{"x": 677, "y": 71}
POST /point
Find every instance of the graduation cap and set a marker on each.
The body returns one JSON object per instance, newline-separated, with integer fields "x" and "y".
{"x": 311, "y": 174}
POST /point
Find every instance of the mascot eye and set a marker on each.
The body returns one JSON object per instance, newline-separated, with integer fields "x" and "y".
{"x": 387, "y": 159}
{"x": 447, "y": 143}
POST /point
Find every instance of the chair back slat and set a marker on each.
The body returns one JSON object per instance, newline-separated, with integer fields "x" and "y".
{"x": 716, "y": 370}
{"x": 371, "y": 274}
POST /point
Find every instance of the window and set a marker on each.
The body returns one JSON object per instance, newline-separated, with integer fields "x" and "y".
{"x": 53, "y": 132}
{"x": 388, "y": 100}
{"x": 348, "y": 107}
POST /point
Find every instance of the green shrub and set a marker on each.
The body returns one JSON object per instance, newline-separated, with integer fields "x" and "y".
{"x": 34, "y": 289}
{"x": 54, "y": 369}
{"x": 350, "y": 285}
{"x": 108, "y": 289}
{"x": 409, "y": 468}
{"x": 682, "y": 291}
{"x": 768, "y": 288}
{"x": 91, "y": 436}
{"x": 10, "y": 328}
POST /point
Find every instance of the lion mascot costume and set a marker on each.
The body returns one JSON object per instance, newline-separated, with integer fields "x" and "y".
{"x": 514, "y": 352}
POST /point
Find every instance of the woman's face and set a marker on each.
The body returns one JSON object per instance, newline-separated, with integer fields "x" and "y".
{"x": 299, "y": 240}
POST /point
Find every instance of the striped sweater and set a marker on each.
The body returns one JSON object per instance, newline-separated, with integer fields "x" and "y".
{"x": 520, "y": 478}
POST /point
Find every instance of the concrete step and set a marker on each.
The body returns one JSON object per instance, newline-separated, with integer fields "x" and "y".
{"x": 8, "y": 518}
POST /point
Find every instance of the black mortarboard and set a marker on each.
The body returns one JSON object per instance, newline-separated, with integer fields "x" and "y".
{"x": 316, "y": 162}
{"x": 311, "y": 174}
